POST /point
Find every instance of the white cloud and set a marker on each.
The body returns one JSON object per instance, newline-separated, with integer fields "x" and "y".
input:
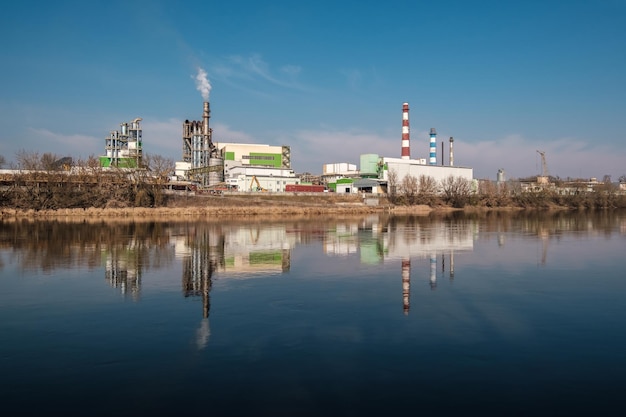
{"x": 519, "y": 158}
{"x": 515, "y": 154}
{"x": 163, "y": 137}
{"x": 253, "y": 74}
{"x": 224, "y": 133}
{"x": 76, "y": 145}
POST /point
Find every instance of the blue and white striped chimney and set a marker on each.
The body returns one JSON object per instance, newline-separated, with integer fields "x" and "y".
{"x": 433, "y": 146}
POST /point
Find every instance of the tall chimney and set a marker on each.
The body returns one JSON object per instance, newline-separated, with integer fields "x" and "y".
{"x": 433, "y": 146}
{"x": 206, "y": 114}
{"x": 406, "y": 148}
{"x": 451, "y": 151}
{"x": 442, "y": 153}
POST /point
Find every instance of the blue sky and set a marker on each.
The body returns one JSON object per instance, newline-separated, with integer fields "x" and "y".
{"x": 328, "y": 78}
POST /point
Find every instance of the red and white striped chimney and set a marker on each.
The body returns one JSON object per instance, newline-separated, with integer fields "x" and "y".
{"x": 406, "y": 148}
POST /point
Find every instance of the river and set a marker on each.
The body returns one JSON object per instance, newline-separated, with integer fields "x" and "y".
{"x": 486, "y": 314}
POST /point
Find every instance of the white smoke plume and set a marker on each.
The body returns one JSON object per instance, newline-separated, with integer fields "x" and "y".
{"x": 202, "y": 84}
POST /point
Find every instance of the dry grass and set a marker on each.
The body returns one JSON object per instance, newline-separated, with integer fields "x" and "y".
{"x": 241, "y": 206}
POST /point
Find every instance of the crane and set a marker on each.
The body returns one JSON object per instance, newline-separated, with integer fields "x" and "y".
{"x": 544, "y": 165}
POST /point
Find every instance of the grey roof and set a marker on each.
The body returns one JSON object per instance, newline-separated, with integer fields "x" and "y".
{"x": 366, "y": 182}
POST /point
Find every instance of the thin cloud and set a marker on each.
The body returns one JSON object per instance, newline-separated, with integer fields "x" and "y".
{"x": 353, "y": 77}
{"x": 49, "y": 141}
{"x": 224, "y": 133}
{"x": 516, "y": 155}
{"x": 252, "y": 74}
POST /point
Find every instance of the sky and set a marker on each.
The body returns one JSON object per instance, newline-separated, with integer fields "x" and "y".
{"x": 506, "y": 79}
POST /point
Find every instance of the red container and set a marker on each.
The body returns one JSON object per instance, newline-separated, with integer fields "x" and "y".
{"x": 304, "y": 188}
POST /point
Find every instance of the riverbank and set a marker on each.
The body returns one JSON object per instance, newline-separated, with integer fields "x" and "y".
{"x": 250, "y": 206}
{"x": 230, "y": 206}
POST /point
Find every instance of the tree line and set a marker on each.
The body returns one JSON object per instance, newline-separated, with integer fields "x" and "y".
{"x": 49, "y": 182}
{"x": 459, "y": 192}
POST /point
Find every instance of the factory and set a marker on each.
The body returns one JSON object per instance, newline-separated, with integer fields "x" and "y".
{"x": 123, "y": 148}
{"x": 231, "y": 166}
{"x": 374, "y": 173}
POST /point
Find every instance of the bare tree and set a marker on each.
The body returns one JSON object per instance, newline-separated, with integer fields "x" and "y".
{"x": 392, "y": 183}
{"x": 2, "y": 161}
{"x": 456, "y": 191}
{"x": 427, "y": 193}
{"x": 159, "y": 166}
{"x": 28, "y": 160}
{"x": 409, "y": 188}
{"x": 48, "y": 162}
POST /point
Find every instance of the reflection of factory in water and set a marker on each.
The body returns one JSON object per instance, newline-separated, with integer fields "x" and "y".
{"x": 229, "y": 253}
{"x": 433, "y": 242}
{"x": 122, "y": 269}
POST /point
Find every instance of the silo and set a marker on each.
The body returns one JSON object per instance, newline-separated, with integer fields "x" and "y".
{"x": 500, "y": 177}
{"x": 216, "y": 170}
{"x": 369, "y": 164}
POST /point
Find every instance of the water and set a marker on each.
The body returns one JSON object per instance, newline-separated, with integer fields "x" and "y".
{"x": 495, "y": 314}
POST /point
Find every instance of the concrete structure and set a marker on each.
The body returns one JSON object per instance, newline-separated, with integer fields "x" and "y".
{"x": 253, "y": 154}
{"x": 417, "y": 168}
{"x": 257, "y": 167}
{"x": 123, "y": 148}
{"x": 251, "y": 178}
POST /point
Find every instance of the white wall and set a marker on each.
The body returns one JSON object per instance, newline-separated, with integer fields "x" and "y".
{"x": 404, "y": 167}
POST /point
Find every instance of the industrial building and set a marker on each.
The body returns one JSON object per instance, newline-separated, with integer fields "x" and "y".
{"x": 201, "y": 161}
{"x": 374, "y": 169}
{"x": 257, "y": 167}
{"x": 123, "y": 148}
{"x": 231, "y": 166}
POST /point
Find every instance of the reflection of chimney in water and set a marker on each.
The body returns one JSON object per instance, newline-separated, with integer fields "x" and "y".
{"x": 443, "y": 264}
{"x": 452, "y": 265}
{"x": 406, "y": 285}
{"x": 433, "y": 271}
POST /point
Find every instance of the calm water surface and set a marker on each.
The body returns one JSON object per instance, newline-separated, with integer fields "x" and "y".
{"x": 493, "y": 314}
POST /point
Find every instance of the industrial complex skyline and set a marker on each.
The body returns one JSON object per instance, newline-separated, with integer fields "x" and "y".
{"x": 328, "y": 79}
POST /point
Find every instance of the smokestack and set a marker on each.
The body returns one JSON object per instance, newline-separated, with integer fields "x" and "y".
{"x": 406, "y": 148}
{"x": 433, "y": 146}
{"x": 442, "y": 153}
{"x": 451, "y": 151}
{"x": 206, "y": 114}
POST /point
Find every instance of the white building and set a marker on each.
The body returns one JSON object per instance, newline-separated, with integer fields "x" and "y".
{"x": 257, "y": 167}
{"x": 416, "y": 168}
{"x": 334, "y": 171}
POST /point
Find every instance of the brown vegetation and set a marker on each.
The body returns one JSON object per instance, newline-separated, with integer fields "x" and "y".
{"x": 49, "y": 187}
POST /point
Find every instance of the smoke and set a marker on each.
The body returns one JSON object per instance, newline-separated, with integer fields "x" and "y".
{"x": 202, "y": 84}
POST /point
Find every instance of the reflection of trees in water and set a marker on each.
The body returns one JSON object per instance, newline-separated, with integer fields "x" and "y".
{"x": 48, "y": 245}
{"x": 536, "y": 222}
